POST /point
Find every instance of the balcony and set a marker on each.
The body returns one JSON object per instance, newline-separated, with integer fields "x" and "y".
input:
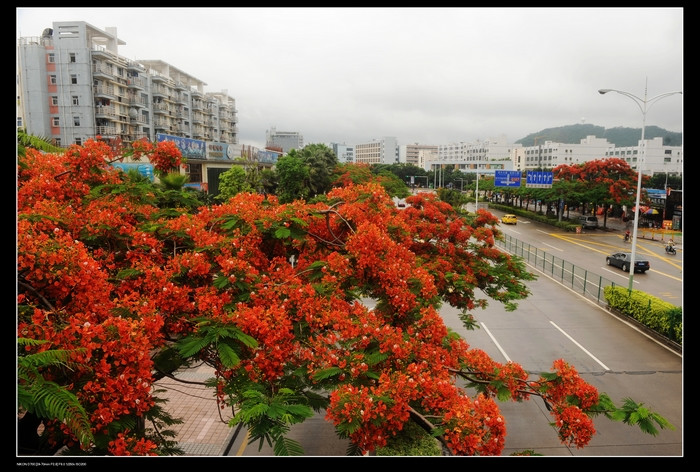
{"x": 161, "y": 108}
{"x": 136, "y": 82}
{"x": 102, "y": 71}
{"x": 159, "y": 91}
{"x": 103, "y": 53}
{"x": 104, "y": 91}
{"x": 105, "y": 130}
{"x": 105, "y": 111}
{"x": 138, "y": 101}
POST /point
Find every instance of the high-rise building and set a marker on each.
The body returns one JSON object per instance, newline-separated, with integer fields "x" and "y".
{"x": 378, "y": 151}
{"x": 72, "y": 85}
{"x": 284, "y": 139}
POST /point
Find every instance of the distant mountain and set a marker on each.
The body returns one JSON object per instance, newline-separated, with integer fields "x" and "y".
{"x": 620, "y": 137}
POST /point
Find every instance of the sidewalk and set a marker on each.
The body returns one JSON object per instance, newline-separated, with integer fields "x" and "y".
{"x": 204, "y": 431}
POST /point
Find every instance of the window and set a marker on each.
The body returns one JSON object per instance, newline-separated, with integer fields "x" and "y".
{"x": 79, "y": 141}
{"x": 76, "y": 121}
{"x": 73, "y": 79}
{"x": 72, "y": 57}
{"x": 54, "y": 101}
{"x": 52, "y": 79}
{"x": 55, "y": 121}
{"x": 51, "y": 58}
{"x": 194, "y": 171}
{"x": 58, "y": 142}
{"x": 19, "y": 122}
{"x": 75, "y": 100}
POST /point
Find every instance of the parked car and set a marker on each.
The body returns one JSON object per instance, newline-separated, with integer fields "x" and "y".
{"x": 588, "y": 222}
{"x": 509, "y": 219}
{"x": 623, "y": 259}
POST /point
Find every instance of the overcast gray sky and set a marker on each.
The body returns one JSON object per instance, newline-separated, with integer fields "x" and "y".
{"x": 422, "y": 75}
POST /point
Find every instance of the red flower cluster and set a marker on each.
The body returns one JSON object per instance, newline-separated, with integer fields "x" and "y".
{"x": 118, "y": 278}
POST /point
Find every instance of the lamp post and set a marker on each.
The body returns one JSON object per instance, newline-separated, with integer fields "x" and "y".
{"x": 643, "y": 105}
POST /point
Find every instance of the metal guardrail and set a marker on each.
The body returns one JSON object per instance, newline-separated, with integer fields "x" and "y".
{"x": 577, "y": 278}
{"x": 585, "y": 282}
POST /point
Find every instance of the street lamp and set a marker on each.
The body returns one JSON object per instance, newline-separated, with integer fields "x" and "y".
{"x": 643, "y": 105}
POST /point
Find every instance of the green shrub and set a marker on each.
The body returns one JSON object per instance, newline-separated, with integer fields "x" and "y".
{"x": 654, "y": 313}
{"x": 411, "y": 441}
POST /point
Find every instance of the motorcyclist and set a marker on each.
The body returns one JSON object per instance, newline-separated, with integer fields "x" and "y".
{"x": 627, "y": 235}
{"x": 671, "y": 247}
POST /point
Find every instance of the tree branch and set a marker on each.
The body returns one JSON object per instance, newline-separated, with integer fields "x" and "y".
{"x": 429, "y": 427}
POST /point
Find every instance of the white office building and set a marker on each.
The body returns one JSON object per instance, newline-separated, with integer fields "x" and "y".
{"x": 550, "y": 154}
{"x": 285, "y": 140}
{"x": 378, "y": 151}
{"x": 344, "y": 152}
{"x": 416, "y": 154}
{"x": 658, "y": 159}
{"x": 482, "y": 157}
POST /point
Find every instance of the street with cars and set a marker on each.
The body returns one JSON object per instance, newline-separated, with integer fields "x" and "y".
{"x": 558, "y": 323}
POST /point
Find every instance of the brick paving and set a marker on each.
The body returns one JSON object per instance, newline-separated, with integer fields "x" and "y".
{"x": 204, "y": 431}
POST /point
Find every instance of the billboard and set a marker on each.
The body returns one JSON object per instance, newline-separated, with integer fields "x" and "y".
{"x": 221, "y": 151}
{"x": 268, "y": 157}
{"x": 144, "y": 169}
{"x": 190, "y": 148}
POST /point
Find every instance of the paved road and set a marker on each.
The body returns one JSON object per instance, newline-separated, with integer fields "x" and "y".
{"x": 556, "y": 323}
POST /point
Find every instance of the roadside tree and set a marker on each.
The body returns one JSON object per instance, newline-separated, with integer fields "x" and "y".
{"x": 271, "y": 295}
{"x": 605, "y": 182}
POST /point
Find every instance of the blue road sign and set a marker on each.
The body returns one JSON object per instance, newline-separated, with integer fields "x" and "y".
{"x": 535, "y": 179}
{"x": 507, "y": 178}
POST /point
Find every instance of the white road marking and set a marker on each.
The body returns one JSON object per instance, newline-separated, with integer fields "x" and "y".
{"x": 581, "y": 347}
{"x": 495, "y": 342}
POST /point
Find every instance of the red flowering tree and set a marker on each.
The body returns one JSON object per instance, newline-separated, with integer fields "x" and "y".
{"x": 271, "y": 295}
{"x": 604, "y": 182}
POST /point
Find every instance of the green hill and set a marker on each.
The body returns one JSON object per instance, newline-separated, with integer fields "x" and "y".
{"x": 620, "y": 137}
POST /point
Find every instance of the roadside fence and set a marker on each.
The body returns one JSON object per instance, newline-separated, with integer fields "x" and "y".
{"x": 577, "y": 278}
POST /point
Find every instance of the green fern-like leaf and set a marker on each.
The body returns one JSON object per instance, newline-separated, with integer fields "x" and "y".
{"x": 221, "y": 282}
{"x": 248, "y": 340}
{"x": 326, "y": 373}
{"x": 287, "y": 447}
{"x": 228, "y": 355}
{"x": 282, "y": 233}
{"x": 191, "y": 345}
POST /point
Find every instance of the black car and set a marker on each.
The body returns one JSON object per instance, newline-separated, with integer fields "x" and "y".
{"x": 622, "y": 260}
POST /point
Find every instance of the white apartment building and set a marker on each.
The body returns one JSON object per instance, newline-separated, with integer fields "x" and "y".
{"x": 72, "y": 85}
{"x": 415, "y": 154}
{"x": 285, "y": 140}
{"x": 658, "y": 159}
{"x": 343, "y": 152}
{"x": 379, "y": 151}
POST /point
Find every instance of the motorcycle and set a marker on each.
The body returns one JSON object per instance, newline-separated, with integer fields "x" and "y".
{"x": 670, "y": 250}
{"x": 627, "y": 237}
